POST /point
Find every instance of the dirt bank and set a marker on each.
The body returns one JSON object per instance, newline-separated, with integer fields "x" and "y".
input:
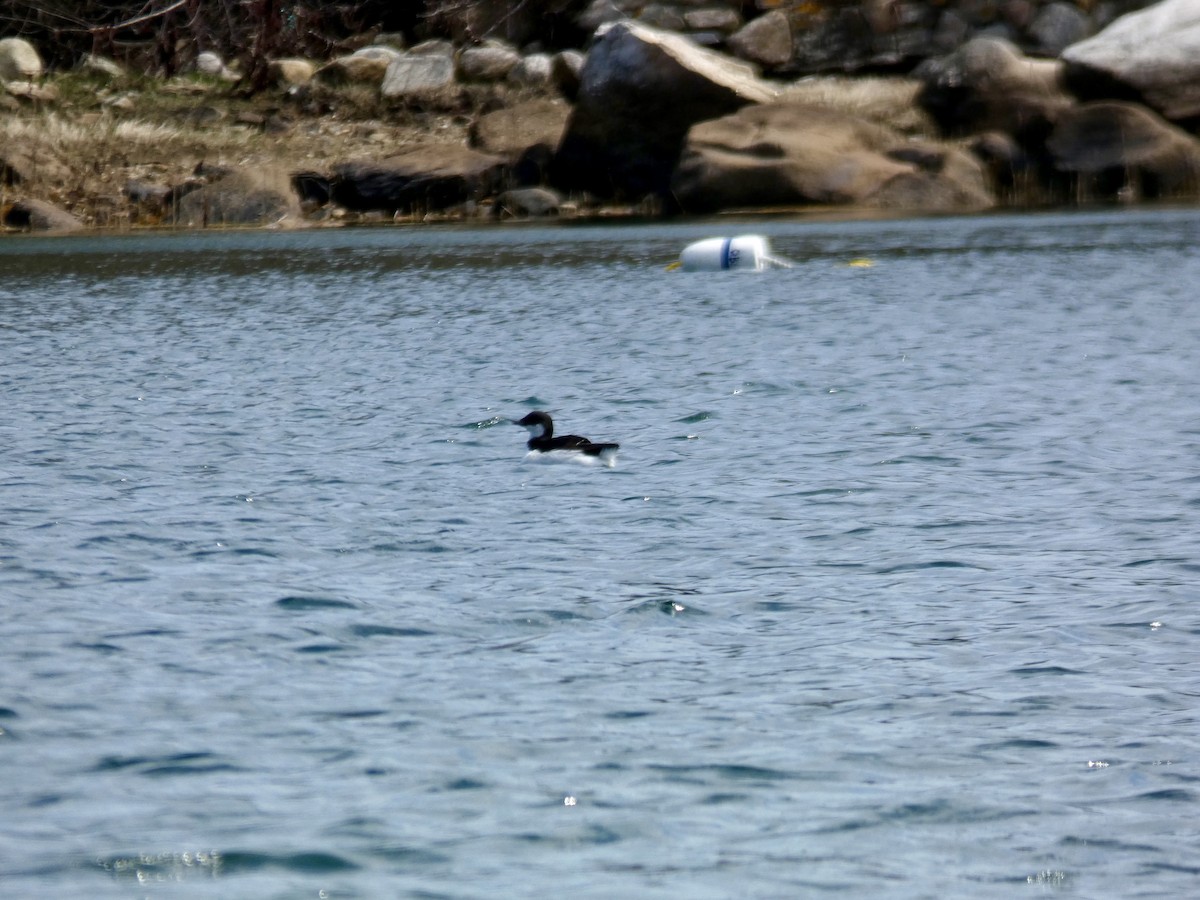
{"x": 82, "y": 144}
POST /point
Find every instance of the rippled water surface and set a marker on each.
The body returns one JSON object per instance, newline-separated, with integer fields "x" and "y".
{"x": 892, "y": 592}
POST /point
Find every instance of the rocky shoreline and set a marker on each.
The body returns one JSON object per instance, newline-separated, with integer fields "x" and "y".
{"x": 688, "y": 108}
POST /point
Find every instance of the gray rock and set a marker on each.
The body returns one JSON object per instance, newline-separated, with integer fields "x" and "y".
{"x": 38, "y": 215}
{"x": 510, "y": 131}
{"x": 997, "y": 31}
{"x": 418, "y": 75}
{"x": 260, "y": 196}
{"x": 846, "y": 38}
{"x": 565, "y": 72}
{"x": 19, "y": 61}
{"x": 313, "y": 188}
{"x": 430, "y": 177}
{"x": 661, "y": 15}
{"x": 1059, "y": 25}
{"x": 1011, "y": 170}
{"x": 378, "y": 51}
{"x": 721, "y": 19}
{"x": 989, "y": 85}
{"x": 533, "y": 71}
{"x": 525, "y": 203}
{"x": 599, "y": 12}
{"x": 525, "y": 135}
{"x": 940, "y": 178}
{"x": 951, "y": 31}
{"x": 1153, "y": 54}
{"x": 32, "y": 91}
{"x": 1018, "y": 13}
{"x": 1122, "y": 149}
{"x": 435, "y": 47}
{"x": 882, "y": 16}
{"x": 209, "y": 63}
{"x": 977, "y": 13}
{"x": 641, "y": 89}
{"x": 766, "y": 40}
{"x": 393, "y": 39}
{"x": 787, "y": 154}
{"x": 712, "y": 40}
{"x": 487, "y": 63}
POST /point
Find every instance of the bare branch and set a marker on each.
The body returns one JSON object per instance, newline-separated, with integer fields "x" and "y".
{"x": 129, "y": 23}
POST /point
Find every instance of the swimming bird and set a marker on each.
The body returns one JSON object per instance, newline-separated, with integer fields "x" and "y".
{"x": 541, "y": 426}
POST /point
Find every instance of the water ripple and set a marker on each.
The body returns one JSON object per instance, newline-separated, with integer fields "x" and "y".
{"x": 892, "y": 592}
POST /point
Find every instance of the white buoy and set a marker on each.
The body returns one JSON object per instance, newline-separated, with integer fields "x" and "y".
{"x": 745, "y": 253}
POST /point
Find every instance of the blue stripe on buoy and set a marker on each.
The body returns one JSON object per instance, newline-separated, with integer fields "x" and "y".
{"x": 725, "y": 252}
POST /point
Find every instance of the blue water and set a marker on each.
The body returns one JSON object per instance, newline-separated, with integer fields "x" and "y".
{"x": 892, "y": 592}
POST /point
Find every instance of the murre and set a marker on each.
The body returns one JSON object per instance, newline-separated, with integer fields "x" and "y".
{"x": 543, "y": 441}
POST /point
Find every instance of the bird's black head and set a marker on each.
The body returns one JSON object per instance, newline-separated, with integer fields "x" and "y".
{"x": 538, "y": 423}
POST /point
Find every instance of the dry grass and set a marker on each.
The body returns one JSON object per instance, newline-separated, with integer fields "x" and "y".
{"x": 887, "y": 101}
{"x": 87, "y": 141}
{"x": 83, "y": 164}
{"x": 80, "y": 151}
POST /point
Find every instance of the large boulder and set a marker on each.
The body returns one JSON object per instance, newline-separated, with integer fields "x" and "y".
{"x": 1152, "y": 55}
{"x": 1120, "y": 149}
{"x": 640, "y": 91}
{"x": 526, "y": 135}
{"x": 987, "y": 84}
{"x": 19, "y": 61}
{"x": 792, "y": 154}
{"x": 240, "y": 197}
{"x": 426, "y": 178}
{"x": 38, "y": 215}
